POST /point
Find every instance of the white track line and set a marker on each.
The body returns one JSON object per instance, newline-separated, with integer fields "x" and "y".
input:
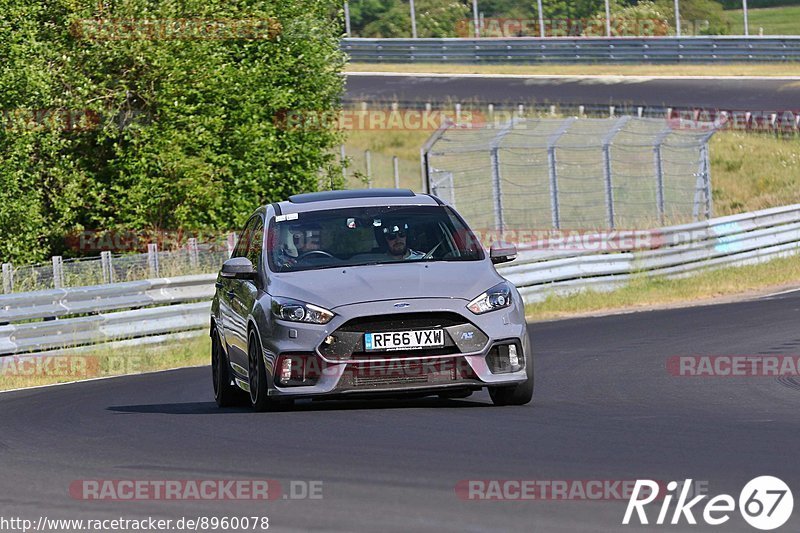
{"x": 569, "y": 76}
{"x": 788, "y": 291}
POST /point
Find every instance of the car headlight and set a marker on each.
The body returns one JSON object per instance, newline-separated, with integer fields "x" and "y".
{"x": 295, "y": 311}
{"x": 498, "y": 297}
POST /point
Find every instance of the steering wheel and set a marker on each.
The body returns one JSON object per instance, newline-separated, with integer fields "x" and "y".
{"x": 430, "y": 254}
{"x": 313, "y": 252}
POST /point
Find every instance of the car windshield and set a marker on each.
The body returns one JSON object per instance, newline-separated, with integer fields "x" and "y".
{"x": 369, "y": 235}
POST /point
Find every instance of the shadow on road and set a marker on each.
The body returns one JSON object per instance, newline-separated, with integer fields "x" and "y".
{"x": 210, "y": 408}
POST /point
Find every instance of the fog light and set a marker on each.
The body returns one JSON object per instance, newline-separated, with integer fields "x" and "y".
{"x": 504, "y": 358}
{"x": 295, "y": 370}
{"x": 512, "y": 356}
{"x": 286, "y": 370}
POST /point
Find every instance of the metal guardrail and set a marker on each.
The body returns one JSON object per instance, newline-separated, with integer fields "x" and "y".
{"x": 65, "y": 318}
{"x": 570, "y": 49}
{"x": 54, "y": 320}
{"x": 682, "y": 250}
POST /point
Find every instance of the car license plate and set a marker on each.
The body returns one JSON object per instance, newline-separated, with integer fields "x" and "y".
{"x": 404, "y": 340}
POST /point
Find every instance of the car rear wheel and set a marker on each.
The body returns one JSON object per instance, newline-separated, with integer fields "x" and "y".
{"x": 257, "y": 375}
{"x": 517, "y": 394}
{"x": 225, "y": 394}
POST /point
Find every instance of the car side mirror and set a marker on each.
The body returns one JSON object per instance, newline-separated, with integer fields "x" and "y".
{"x": 238, "y": 268}
{"x": 502, "y": 252}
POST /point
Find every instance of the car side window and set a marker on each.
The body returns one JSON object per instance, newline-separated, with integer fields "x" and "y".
{"x": 242, "y": 245}
{"x": 256, "y": 242}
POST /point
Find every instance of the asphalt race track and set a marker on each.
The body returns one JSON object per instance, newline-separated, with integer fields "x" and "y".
{"x": 605, "y": 409}
{"x": 737, "y": 94}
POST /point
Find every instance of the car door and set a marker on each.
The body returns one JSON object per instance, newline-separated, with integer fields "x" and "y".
{"x": 235, "y": 318}
{"x": 246, "y": 292}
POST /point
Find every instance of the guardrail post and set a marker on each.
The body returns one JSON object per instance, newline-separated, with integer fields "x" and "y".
{"x": 396, "y": 166}
{"x": 152, "y": 259}
{"x": 8, "y": 278}
{"x": 194, "y": 253}
{"x": 58, "y": 272}
{"x": 108, "y": 270}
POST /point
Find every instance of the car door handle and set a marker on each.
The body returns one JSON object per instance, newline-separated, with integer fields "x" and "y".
{"x": 218, "y": 284}
{"x": 231, "y": 295}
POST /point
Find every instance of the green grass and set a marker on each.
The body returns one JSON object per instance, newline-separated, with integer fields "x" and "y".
{"x": 784, "y": 20}
{"x": 644, "y": 292}
{"x": 21, "y": 372}
{"x": 752, "y": 171}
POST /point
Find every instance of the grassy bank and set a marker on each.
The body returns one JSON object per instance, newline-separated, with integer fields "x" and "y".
{"x": 784, "y": 20}
{"x": 21, "y": 372}
{"x": 644, "y": 293}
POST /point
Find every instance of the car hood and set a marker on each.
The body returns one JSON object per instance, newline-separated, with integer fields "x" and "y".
{"x": 336, "y": 287}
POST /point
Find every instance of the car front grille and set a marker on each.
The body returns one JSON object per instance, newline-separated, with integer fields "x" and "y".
{"x": 406, "y": 374}
{"x": 347, "y": 342}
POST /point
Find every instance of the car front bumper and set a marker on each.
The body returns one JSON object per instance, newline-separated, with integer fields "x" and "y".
{"x": 339, "y": 368}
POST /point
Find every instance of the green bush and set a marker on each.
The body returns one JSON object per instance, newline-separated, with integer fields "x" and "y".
{"x": 110, "y": 127}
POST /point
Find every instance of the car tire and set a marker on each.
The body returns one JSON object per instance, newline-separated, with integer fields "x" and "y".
{"x": 517, "y": 394}
{"x": 225, "y": 394}
{"x": 257, "y": 375}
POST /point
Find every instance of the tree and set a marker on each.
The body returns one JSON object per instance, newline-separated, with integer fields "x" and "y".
{"x": 113, "y": 125}
{"x": 435, "y": 18}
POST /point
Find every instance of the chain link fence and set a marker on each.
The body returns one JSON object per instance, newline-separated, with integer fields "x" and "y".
{"x": 193, "y": 258}
{"x": 573, "y": 173}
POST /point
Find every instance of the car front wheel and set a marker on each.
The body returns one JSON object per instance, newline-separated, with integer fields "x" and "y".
{"x": 225, "y": 394}
{"x": 257, "y": 375}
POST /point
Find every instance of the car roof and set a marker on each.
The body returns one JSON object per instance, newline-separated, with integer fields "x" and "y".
{"x": 318, "y": 201}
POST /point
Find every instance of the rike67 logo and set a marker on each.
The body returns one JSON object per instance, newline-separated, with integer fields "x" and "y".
{"x": 765, "y": 503}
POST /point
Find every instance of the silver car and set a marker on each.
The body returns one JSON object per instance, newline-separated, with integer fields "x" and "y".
{"x": 365, "y": 293}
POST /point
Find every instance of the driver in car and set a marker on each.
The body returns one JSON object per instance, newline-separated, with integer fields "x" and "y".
{"x": 396, "y": 246}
